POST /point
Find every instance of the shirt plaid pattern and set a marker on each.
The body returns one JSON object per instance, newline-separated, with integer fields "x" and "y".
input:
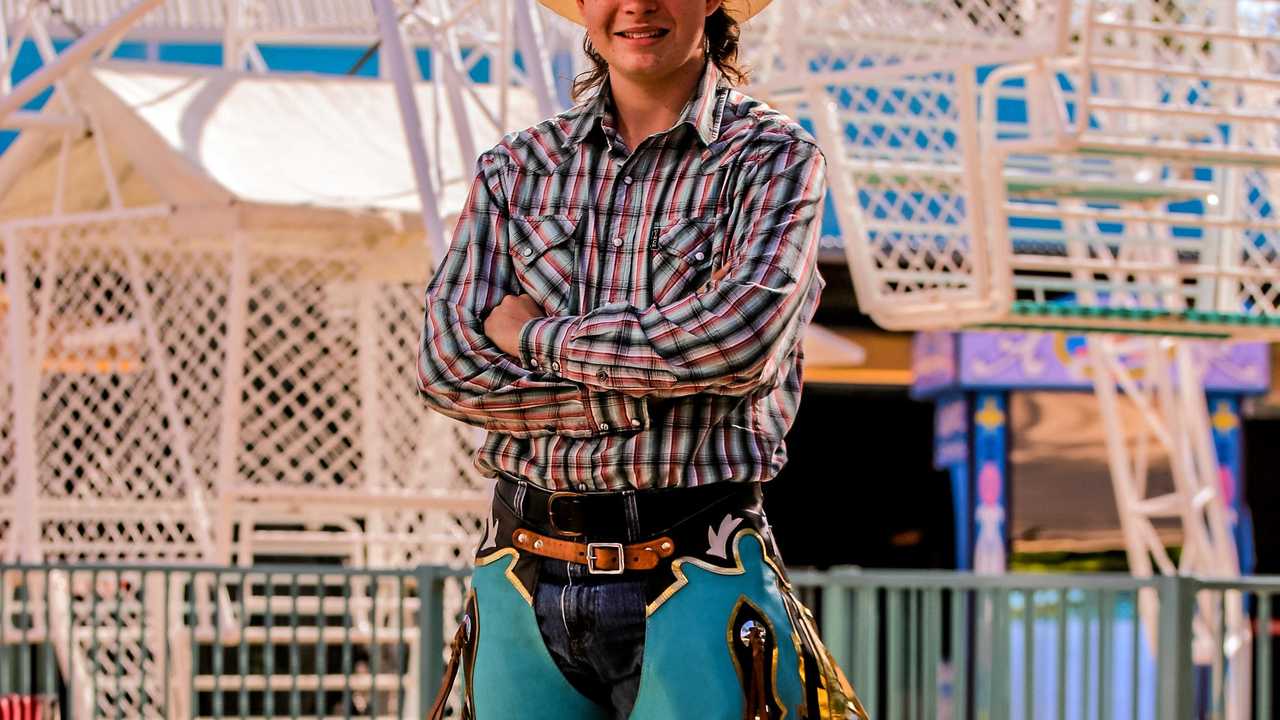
{"x": 644, "y": 373}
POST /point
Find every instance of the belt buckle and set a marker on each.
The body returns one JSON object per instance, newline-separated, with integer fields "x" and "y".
{"x": 551, "y": 515}
{"x": 591, "y": 558}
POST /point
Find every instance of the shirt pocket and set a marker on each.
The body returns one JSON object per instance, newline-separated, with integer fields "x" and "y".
{"x": 681, "y": 254}
{"x": 543, "y": 253}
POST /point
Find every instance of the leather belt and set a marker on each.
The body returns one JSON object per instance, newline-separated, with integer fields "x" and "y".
{"x": 604, "y": 514}
{"x": 601, "y": 558}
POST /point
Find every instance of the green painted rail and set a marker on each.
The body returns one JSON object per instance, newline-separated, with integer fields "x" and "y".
{"x": 150, "y": 641}
{"x": 1048, "y": 647}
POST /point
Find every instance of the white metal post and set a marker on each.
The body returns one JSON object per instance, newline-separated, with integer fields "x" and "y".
{"x": 502, "y": 68}
{"x": 454, "y": 76}
{"x": 232, "y": 41}
{"x": 232, "y": 389}
{"x": 370, "y": 414}
{"x": 971, "y": 161}
{"x": 528, "y": 27}
{"x": 25, "y": 544}
{"x": 397, "y": 66}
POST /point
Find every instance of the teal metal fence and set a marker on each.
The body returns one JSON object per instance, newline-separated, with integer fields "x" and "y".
{"x": 145, "y": 641}
{"x": 139, "y": 641}
{"x": 1049, "y": 647}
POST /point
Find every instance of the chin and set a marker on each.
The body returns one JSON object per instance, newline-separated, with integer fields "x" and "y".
{"x": 644, "y": 73}
{"x": 645, "y": 70}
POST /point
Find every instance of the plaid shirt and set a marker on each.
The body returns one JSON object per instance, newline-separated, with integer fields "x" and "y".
{"x": 643, "y": 373}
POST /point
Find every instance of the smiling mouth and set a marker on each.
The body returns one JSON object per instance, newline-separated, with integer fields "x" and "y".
{"x": 642, "y": 35}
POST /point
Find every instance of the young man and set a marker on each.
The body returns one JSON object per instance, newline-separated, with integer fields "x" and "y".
{"x": 622, "y": 308}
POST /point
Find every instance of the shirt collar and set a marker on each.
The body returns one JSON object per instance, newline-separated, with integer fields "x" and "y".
{"x": 701, "y": 112}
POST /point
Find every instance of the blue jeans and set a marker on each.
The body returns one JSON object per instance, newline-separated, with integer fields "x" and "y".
{"x": 594, "y": 628}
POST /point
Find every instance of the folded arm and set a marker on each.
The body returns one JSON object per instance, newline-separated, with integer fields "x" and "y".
{"x": 729, "y": 339}
{"x": 460, "y": 372}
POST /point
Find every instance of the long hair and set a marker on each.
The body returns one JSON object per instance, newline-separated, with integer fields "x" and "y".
{"x": 720, "y": 41}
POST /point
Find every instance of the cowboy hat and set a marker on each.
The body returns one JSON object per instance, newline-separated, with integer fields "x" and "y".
{"x": 740, "y": 10}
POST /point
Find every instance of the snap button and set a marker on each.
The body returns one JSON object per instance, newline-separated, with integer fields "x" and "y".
{"x": 555, "y": 366}
{"x": 635, "y": 422}
{"x": 617, "y": 242}
{"x": 628, "y": 180}
{"x": 527, "y": 252}
{"x": 602, "y": 376}
{"x": 604, "y": 426}
{"x": 699, "y": 257}
{"x": 533, "y": 362}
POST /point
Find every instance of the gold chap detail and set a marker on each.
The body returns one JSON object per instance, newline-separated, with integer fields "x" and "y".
{"x": 827, "y": 690}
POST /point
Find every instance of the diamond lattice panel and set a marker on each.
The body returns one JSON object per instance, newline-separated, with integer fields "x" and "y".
{"x": 8, "y": 471}
{"x": 918, "y": 233}
{"x": 832, "y": 36}
{"x": 909, "y": 121}
{"x": 102, "y": 429}
{"x": 103, "y": 532}
{"x": 103, "y": 438}
{"x": 429, "y": 538}
{"x": 901, "y": 141}
{"x": 190, "y": 295}
{"x": 421, "y": 449}
{"x": 301, "y": 416}
{"x": 1260, "y": 248}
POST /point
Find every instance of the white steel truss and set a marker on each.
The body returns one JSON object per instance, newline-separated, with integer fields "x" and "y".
{"x": 185, "y": 381}
{"x": 225, "y": 414}
{"x": 1162, "y": 379}
{"x": 1121, "y": 182}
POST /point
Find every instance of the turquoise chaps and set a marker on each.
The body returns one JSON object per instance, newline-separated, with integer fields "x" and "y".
{"x": 724, "y": 635}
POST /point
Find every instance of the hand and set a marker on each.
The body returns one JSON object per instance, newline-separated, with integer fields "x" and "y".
{"x": 507, "y": 319}
{"x": 715, "y": 279}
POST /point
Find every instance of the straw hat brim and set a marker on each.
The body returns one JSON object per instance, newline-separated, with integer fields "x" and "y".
{"x": 740, "y": 10}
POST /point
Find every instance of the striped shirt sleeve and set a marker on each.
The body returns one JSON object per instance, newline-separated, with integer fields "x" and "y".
{"x": 730, "y": 338}
{"x": 460, "y": 372}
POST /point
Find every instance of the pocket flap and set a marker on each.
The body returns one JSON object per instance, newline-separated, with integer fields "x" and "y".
{"x": 531, "y": 237}
{"x": 688, "y": 239}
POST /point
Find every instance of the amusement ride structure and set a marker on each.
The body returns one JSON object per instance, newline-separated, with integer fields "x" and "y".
{"x": 208, "y": 332}
{"x": 1115, "y": 175}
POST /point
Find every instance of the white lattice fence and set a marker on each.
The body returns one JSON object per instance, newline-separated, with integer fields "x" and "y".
{"x": 829, "y": 40}
{"x": 191, "y": 288}
{"x": 132, "y": 330}
{"x": 1194, "y": 77}
{"x": 417, "y": 447}
{"x": 8, "y": 469}
{"x": 301, "y": 417}
{"x": 121, "y": 406}
{"x": 907, "y": 180}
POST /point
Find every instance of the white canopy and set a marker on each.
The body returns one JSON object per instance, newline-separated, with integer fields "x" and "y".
{"x": 203, "y": 137}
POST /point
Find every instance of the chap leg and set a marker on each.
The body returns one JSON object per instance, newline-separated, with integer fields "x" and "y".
{"x": 732, "y": 645}
{"x": 509, "y": 672}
